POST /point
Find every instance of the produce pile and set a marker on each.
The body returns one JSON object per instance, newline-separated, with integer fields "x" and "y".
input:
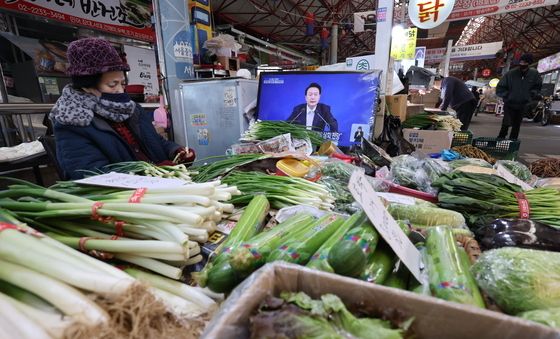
{"x": 433, "y": 121}
{"x": 263, "y": 130}
{"x": 296, "y": 315}
{"x": 60, "y": 246}
{"x": 470, "y": 151}
{"x": 546, "y": 168}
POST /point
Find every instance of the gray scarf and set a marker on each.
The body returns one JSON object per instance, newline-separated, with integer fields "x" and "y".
{"x": 76, "y": 108}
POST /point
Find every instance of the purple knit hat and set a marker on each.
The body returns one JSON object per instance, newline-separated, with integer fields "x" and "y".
{"x": 93, "y": 56}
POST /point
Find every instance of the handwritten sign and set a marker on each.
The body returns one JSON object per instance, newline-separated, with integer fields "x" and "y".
{"x": 364, "y": 194}
{"x": 506, "y": 174}
{"x": 122, "y": 180}
{"x": 397, "y": 198}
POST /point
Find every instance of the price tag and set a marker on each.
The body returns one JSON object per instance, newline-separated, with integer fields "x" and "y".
{"x": 122, "y": 180}
{"x": 506, "y": 174}
{"x": 365, "y": 195}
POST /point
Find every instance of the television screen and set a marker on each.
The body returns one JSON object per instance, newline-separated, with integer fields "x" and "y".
{"x": 340, "y": 105}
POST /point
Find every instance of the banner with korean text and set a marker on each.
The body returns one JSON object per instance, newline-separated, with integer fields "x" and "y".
{"x": 120, "y": 17}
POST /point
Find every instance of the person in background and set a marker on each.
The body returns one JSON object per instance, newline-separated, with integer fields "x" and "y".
{"x": 359, "y": 134}
{"x": 517, "y": 88}
{"x": 96, "y": 124}
{"x": 313, "y": 114}
{"x": 456, "y": 94}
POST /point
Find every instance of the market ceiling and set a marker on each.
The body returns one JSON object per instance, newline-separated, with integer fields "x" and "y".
{"x": 282, "y": 22}
{"x": 534, "y": 30}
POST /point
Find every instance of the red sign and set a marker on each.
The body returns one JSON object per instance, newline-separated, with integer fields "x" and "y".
{"x": 132, "y": 20}
{"x": 486, "y": 72}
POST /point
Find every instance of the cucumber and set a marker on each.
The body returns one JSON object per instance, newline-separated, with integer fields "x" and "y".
{"x": 301, "y": 247}
{"x": 422, "y": 216}
{"x": 398, "y": 279}
{"x": 252, "y": 254}
{"x": 350, "y": 256}
{"x": 319, "y": 260}
{"x": 250, "y": 223}
{"x": 222, "y": 278}
{"x": 381, "y": 264}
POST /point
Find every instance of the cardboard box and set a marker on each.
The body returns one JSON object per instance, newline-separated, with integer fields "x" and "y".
{"x": 230, "y": 64}
{"x": 433, "y": 318}
{"x": 429, "y": 99}
{"x": 397, "y": 105}
{"x": 428, "y": 141}
{"x": 414, "y": 109}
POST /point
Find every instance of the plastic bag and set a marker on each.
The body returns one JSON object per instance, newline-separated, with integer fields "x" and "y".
{"x": 407, "y": 171}
{"x": 469, "y": 161}
{"x": 516, "y": 168}
{"x": 391, "y": 139}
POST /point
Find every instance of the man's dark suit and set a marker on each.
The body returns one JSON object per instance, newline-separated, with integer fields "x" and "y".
{"x": 323, "y": 116}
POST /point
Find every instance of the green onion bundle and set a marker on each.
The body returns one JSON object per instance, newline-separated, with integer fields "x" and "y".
{"x": 281, "y": 191}
{"x": 426, "y": 121}
{"x": 160, "y": 231}
{"x": 179, "y": 171}
{"x": 48, "y": 290}
{"x": 264, "y": 130}
{"x": 484, "y": 197}
{"x": 229, "y": 163}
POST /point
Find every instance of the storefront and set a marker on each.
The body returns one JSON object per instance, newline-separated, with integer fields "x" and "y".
{"x": 35, "y": 37}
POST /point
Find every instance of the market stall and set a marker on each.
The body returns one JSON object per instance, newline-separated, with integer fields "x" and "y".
{"x": 465, "y": 239}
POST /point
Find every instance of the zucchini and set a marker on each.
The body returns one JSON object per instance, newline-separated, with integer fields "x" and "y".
{"x": 350, "y": 256}
{"x": 422, "y": 216}
{"x": 252, "y": 254}
{"x": 301, "y": 246}
{"x": 319, "y": 260}
{"x": 380, "y": 265}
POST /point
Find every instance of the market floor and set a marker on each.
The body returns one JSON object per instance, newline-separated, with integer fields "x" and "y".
{"x": 536, "y": 141}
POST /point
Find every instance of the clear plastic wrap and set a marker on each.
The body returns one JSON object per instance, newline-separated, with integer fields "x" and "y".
{"x": 433, "y": 318}
{"x": 417, "y": 172}
{"x": 469, "y": 161}
{"x": 519, "y": 280}
{"x": 516, "y": 168}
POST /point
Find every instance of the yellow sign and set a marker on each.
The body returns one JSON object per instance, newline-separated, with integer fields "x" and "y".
{"x": 494, "y": 82}
{"x": 403, "y": 44}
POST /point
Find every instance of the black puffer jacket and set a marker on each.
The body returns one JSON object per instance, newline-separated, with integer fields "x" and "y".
{"x": 517, "y": 89}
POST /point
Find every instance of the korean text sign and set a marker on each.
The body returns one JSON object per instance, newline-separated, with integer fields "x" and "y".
{"x": 127, "y": 18}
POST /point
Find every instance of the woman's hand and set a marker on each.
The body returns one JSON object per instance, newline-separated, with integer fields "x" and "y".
{"x": 184, "y": 155}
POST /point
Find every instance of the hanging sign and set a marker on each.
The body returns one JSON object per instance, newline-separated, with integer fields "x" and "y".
{"x": 143, "y": 69}
{"x": 364, "y": 21}
{"x": 464, "y": 53}
{"x": 428, "y": 14}
{"x": 128, "y": 18}
{"x": 403, "y": 44}
{"x": 465, "y": 9}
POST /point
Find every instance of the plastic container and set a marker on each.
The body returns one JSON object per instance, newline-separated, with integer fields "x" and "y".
{"x": 498, "y": 148}
{"x": 291, "y": 168}
{"x": 462, "y": 138}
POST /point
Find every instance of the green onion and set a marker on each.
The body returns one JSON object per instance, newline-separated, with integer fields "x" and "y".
{"x": 264, "y": 130}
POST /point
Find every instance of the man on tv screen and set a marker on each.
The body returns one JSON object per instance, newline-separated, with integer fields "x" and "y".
{"x": 314, "y": 115}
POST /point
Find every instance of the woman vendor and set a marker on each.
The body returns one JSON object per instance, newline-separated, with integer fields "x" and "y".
{"x": 95, "y": 121}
